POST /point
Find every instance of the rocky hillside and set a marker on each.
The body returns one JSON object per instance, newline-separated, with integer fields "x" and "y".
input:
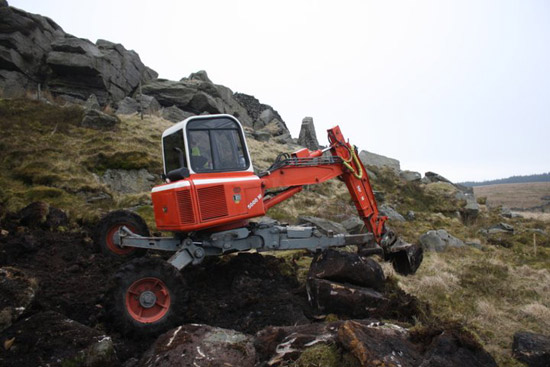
{"x": 74, "y": 148}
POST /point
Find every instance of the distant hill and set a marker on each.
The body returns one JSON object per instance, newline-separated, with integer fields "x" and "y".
{"x": 543, "y": 177}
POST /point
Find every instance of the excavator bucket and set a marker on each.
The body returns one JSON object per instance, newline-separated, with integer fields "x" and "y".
{"x": 405, "y": 257}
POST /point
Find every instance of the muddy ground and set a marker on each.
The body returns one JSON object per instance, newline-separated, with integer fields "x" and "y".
{"x": 244, "y": 292}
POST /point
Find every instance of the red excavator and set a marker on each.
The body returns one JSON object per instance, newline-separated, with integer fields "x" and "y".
{"x": 211, "y": 192}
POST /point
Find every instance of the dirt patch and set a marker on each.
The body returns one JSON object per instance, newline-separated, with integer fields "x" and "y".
{"x": 245, "y": 292}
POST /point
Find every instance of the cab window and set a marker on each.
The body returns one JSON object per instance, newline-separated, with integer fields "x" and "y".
{"x": 171, "y": 145}
{"x": 216, "y": 145}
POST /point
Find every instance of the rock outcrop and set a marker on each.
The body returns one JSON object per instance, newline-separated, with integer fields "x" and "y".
{"x": 373, "y": 159}
{"x": 201, "y": 345}
{"x": 532, "y": 349}
{"x": 35, "y": 50}
{"x": 371, "y": 343}
{"x": 49, "y": 338}
{"x": 308, "y": 137}
{"x": 439, "y": 240}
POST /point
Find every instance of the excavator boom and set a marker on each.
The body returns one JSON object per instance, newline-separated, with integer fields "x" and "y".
{"x": 306, "y": 167}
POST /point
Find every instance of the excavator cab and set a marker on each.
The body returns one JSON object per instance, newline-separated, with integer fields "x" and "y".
{"x": 206, "y": 145}
{"x": 210, "y": 178}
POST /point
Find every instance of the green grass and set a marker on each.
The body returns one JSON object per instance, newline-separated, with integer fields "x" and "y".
{"x": 48, "y": 156}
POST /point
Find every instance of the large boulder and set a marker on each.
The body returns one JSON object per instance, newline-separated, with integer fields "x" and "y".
{"x": 371, "y": 343}
{"x": 345, "y": 283}
{"x": 128, "y": 181}
{"x": 532, "y": 349}
{"x": 200, "y": 345}
{"x": 410, "y": 176}
{"x": 347, "y": 267}
{"x": 354, "y": 225}
{"x": 197, "y": 94}
{"x": 98, "y": 120}
{"x": 261, "y": 114}
{"x": 80, "y": 68}
{"x": 324, "y": 225}
{"x": 40, "y": 214}
{"x": 377, "y": 160}
{"x": 439, "y": 240}
{"x": 391, "y": 213}
{"x": 174, "y": 114}
{"x": 35, "y": 50}
{"x": 308, "y": 137}
{"x": 50, "y": 339}
{"x": 327, "y": 296}
{"x": 25, "y": 40}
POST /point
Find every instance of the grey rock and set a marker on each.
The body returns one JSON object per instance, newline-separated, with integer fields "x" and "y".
{"x": 92, "y": 103}
{"x": 265, "y": 118}
{"x": 284, "y": 139}
{"x": 538, "y": 231}
{"x": 475, "y": 244}
{"x": 347, "y": 267}
{"x": 98, "y": 120}
{"x": 506, "y": 212}
{"x": 17, "y": 290}
{"x": 174, "y": 114}
{"x": 390, "y": 212}
{"x": 35, "y": 50}
{"x": 200, "y": 75}
{"x": 261, "y": 135}
{"x": 58, "y": 341}
{"x": 127, "y": 106}
{"x": 532, "y": 349}
{"x": 354, "y": 225}
{"x": 254, "y": 109}
{"x": 439, "y": 240}
{"x": 199, "y": 344}
{"x": 100, "y": 353}
{"x": 40, "y": 214}
{"x": 14, "y": 84}
{"x": 324, "y": 225}
{"x": 198, "y": 95}
{"x": 410, "y": 215}
{"x": 500, "y": 228}
{"x": 435, "y": 177}
{"x": 377, "y": 160}
{"x": 148, "y": 103}
{"x": 128, "y": 181}
{"x": 410, "y": 176}
{"x": 471, "y": 211}
{"x": 327, "y": 296}
{"x": 80, "y": 68}
{"x": 372, "y": 343}
{"x": 308, "y": 137}
{"x": 371, "y": 175}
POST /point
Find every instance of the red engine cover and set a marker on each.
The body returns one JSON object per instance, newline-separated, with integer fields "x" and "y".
{"x": 207, "y": 200}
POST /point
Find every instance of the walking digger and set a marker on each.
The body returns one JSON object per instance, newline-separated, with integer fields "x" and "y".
{"x": 209, "y": 195}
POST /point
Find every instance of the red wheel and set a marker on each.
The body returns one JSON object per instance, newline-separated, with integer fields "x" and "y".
{"x": 146, "y": 297}
{"x": 109, "y": 225}
{"x": 148, "y": 300}
{"x": 110, "y": 239}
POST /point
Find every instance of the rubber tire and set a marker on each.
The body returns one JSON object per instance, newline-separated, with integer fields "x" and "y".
{"x": 120, "y": 217}
{"x": 137, "y": 269}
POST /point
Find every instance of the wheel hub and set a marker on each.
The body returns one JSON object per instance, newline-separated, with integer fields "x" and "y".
{"x": 147, "y": 299}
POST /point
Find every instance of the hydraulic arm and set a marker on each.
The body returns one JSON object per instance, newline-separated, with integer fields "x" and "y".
{"x": 340, "y": 159}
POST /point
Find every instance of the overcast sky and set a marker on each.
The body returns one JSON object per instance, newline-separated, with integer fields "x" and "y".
{"x": 460, "y": 87}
